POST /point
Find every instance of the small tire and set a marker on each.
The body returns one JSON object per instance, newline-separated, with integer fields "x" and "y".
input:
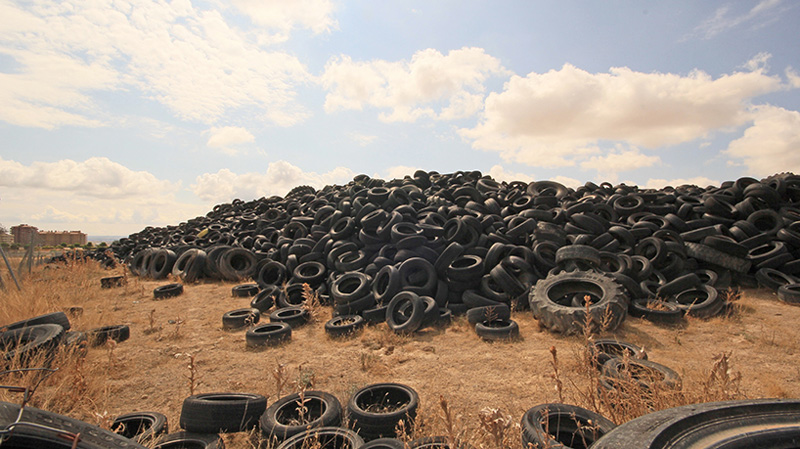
{"x": 294, "y": 316}
{"x": 244, "y": 290}
{"x": 344, "y": 325}
{"x": 167, "y": 291}
{"x": 268, "y": 334}
{"x": 240, "y": 318}
{"x": 374, "y": 411}
{"x": 222, "y": 412}
{"x": 499, "y": 329}
{"x": 562, "y": 426}
{"x": 117, "y": 332}
{"x": 790, "y": 294}
{"x": 142, "y": 427}
{"x": 324, "y": 437}
{"x": 190, "y": 440}
{"x": 281, "y": 419}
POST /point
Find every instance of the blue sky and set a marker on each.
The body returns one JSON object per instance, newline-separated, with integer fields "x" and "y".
{"x": 119, "y": 114}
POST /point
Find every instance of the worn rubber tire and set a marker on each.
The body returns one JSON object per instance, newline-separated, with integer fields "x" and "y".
{"x": 708, "y": 254}
{"x": 116, "y": 332}
{"x": 190, "y": 440}
{"x": 562, "y": 426}
{"x": 142, "y": 427}
{"x": 244, "y": 290}
{"x": 497, "y": 330}
{"x": 240, "y": 318}
{"x": 25, "y": 437}
{"x": 59, "y": 318}
{"x": 405, "y": 323}
{"x": 279, "y": 421}
{"x": 790, "y": 294}
{"x": 662, "y": 377}
{"x": 26, "y": 344}
{"x": 265, "y": 299}
{"x": 570, "y": 320}
{"x": 743, "y": 424}
{"x": 666, "y": 313}
{"x": 112, "y": 281}
{"x": 603, "y": 349}
{"x": 344, "y": 325}
{"x": 167, "y": 291}
{"x": 222, "y": 412}
{"x": 268, "y": 334}
{"x": 324, "y": 437}
{"x": 294, "y": 316}
{"x": 190, "y": 264}
{"x": 375, "y": 424}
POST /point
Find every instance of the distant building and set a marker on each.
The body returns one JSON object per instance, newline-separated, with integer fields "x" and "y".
{"x": 6, "y": 239}
{"x": 22, "y": 235}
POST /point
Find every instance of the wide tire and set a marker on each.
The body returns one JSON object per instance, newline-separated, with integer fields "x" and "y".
{"x": 281, "y": 420}
{"x": 222, "y": 412}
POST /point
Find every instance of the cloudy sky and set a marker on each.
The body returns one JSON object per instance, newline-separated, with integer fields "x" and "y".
{"x": 119, "y": 114}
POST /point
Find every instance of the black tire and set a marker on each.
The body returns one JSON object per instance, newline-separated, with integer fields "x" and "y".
{"x": 405, "y": 323}
{"x": 344, "y": 325}
{"x": 281, "y": 420}
{"x": 76, "y": 342}
{"x": 239, "y": 318}
{"x": 268, "y": 334}
{"x": 498, "y": 329}
{"x": 603, "y": 349}
{"x": 112, "y": 281}
{"x": 142, "y": 427}
{"x": 324, "y": 438}
{"x": 609, "y": 304}
{"x": 477, "y": 315}
{"x": 702, "y": 301}
{"x": 731, "y": 424}
{"x": 375, "y": 315}
{"x": 265, "y": 299}
{"x": 190, "y": 440}
{"x": 562, "y": 426}
{"x": 375, "y": 410}
{"x": 59, "y": 318}
{"x": 167, "y": 291}
{"x": 384, "y": 443}
{"x": 161, "y": 263}
{"x": 646, "y": 374}
{"x": 678, "y": 285}
{"x": 773, "y": 279}
{"x": 116, "y": 332}
{"x": 790, "y": 294}
{"x": 577, "y": 257}
{"x": 244, "y": 290}
{"x": 656, "y": 311}
{"x": 190, "y": 264}
{"x": 24, "y": 344}
{"x": 708, "y": 254}
{"x": 221, "y": 412}
{"x": 294, "y": 316}
{"x": 349, "y": 287}
{"x": 237, "y": 263}
{"x": 28, "y": 437}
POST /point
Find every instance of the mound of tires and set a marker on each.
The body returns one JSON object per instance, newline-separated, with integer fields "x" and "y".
{"x": 461, "y": 241}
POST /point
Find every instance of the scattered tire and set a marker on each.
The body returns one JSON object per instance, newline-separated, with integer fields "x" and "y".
{"x": 400, "y": 322}
{"x": 91, "y": 436}
{"x": 190, "y": 440}
{"x": 656, "y": 311}
{"x": 375, "y": 410}
{"x": 294, "y": 316}
{"x": 240, "y": 318}
{"x": 168, "y": 291}
{"x": 221, "y": 412}
{"x": 562, "y": 426}
{"x": 437, "y": 442}
{"x": 324, "y": 437}
{"x": 551, "y": 299}
{"x": 603, "y": 349}
{"x": 643, "y": 374}
{"x": 344, "y": 325}
{"x": 244, "y": 290}
{"x": 498, "y": 329}
{"x": 265, "y": 299}
{"x": 268, "y": 334}
{"x": 117, "y": 332}
{"x": 112, "y": 281}
{"x": 142, "y": 427}
{"x": 285, "y": 418}
{"x": 59, "y": 318}
{"x": 29, "y": 343}
{"x": 730, "y": 424}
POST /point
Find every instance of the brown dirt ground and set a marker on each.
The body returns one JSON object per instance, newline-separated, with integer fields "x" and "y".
{"x": 149, "y": 371}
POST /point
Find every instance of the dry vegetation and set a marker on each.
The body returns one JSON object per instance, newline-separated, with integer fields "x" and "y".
{"x": 470, "y": 390}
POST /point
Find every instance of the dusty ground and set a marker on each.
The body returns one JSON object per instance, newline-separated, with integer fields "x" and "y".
{"x": 150, "y": 371}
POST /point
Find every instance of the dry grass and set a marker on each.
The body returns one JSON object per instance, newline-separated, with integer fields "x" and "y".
{"x": 470, "y": 390}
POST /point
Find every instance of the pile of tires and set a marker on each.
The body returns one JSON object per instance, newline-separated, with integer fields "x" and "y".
{"x": 467, "y": 242}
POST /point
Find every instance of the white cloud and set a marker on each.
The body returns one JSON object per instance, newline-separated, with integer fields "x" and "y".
{"x": 188, "y": 59}
{"x": 793, "y": 77}
{"x": 433, "y": 85}
{"x": 765, "y": 12}
{"x": 96, "y": 196}
{"x": 362, "y": 139}
{"x": 282, "y": 16}
{"x": 500, "y": 174}
{"x": 771, "y": 145}
{"x": 399, "y": 171}
{"x": 279, "y": 179}
{"x": 621, "y": 159}
{"x": 96, "y": 177}
{"x": 228, "y": 138}
{"x": 700, "y": 181}
{"x": 560, "y": 118}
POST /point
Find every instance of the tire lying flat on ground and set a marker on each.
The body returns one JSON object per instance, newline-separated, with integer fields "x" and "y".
{"x": 281, "y": 420}
{"x": 562, "y": 426}
{"x": 773, "y": 423}
{"x": 375, "y": 410}
{"x": 221, "y": 412}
